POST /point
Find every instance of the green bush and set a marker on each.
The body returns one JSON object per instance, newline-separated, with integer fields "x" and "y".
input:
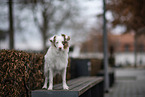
{"x": 20, "y": 73}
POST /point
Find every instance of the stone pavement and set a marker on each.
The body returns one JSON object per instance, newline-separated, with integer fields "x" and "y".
{"x": 129, "y": 83}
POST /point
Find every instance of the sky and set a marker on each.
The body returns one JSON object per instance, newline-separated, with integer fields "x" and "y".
{"x": 31, "y": 39}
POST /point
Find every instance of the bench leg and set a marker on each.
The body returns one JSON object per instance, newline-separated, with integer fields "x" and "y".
{"x": 98, "y": 90}
{"x": 101, "y": 89}
{"x": 95, "y": 91}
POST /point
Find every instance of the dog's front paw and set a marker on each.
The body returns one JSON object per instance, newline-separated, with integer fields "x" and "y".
{"x": 65, "y": 87}
{"x": 49, "y": 88}
{"x": 44, "y": 87}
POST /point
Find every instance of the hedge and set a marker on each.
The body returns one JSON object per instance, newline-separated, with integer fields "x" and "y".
{"x": 20, "y": 72}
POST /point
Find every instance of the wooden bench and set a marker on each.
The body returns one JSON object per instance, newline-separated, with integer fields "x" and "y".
{"x": 79, "y": 87}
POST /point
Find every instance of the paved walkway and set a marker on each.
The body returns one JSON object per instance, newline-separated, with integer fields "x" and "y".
{"x": 129, "y": 83}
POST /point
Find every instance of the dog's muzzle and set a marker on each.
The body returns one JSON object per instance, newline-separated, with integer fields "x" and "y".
{"x": 60, "y": 48}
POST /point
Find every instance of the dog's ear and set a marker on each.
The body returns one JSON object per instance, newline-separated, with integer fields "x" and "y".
{"x": 63, "y": 35}
{"x": 68, "y": 38}
{"x": 52, "y": 39}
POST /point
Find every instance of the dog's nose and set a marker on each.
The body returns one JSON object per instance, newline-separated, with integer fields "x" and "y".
{"x": 60, "y": 48}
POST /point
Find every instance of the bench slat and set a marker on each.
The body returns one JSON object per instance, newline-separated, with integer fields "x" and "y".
{"x": 72, "y": 83}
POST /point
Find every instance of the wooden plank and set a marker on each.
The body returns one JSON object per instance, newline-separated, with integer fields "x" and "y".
{"x": 46, "y": 93}
{"x": 87, "y": 85}
{"x": 80, "y": 84}
{"x": 72, "y": 83}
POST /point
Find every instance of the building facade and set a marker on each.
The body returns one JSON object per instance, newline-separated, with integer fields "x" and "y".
{"x": 123, "y": 48}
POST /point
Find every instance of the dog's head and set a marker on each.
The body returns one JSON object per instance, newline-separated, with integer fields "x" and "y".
{"x": 60, "y": 42}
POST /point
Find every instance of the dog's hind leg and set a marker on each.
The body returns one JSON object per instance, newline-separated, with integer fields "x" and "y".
{"x": 50, "y": 79}
{"x": 46, "y": 75}
{"x": 65, "y": 87}
{"x": 46, "y": 78}
{"x": 45, "y": 83}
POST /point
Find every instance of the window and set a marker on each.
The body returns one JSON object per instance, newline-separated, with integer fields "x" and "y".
{"x": 126, "y": 47}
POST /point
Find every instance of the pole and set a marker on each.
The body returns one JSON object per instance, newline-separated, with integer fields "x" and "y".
{"x": 135, "y": 51}
{"x": 106, "y": 78}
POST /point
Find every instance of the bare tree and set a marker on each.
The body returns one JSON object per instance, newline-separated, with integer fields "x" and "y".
{"x": 50, "y": 17}
{"x": 11, "y": 22}
{"x": 53, "y": 14}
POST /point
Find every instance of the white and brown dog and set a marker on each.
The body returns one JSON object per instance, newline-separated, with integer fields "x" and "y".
{"x": 56, "y": 60}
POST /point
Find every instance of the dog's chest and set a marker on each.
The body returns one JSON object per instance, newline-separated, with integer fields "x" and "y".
{"x": 57, "y": 61}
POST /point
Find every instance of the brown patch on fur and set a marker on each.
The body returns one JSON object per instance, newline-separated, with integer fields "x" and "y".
{"x": 53, "y": 41}
{"x": 63, "y": 36}
{"x": 68, "y": 38}
{"x": 65, "y": 42}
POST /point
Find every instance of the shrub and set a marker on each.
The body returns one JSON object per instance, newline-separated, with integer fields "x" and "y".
{"x": 20, "y": 73}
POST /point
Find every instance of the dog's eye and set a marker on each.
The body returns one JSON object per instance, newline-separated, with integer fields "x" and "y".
{"x": 56, "y": 42}
{"x": 64, "y": 42}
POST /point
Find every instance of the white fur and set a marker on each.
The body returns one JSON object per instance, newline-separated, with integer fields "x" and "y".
{"x": 56, "y": 61}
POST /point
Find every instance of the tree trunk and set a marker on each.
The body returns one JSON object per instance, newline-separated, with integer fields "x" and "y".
{"x": 11, "y": 28}
{"x": 44, "y": 40}
{"x": 44, "y": 29}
